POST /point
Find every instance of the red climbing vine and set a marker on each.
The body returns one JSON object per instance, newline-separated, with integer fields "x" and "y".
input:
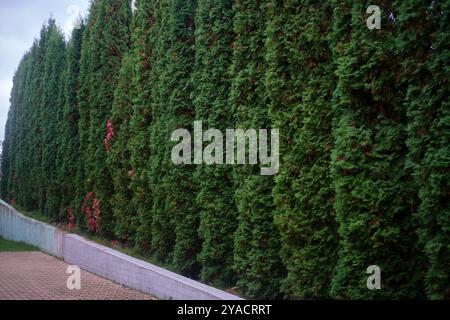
{"x": 91, "y": 208}
{"x": 110, "y": 135}
{"x": 71, "y": 219}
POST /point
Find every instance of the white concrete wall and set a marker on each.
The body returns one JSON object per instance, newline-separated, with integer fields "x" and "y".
{"x": 136, "y": 274}
{"x": 15, "y": 226}
{"x": 103, "y": 261}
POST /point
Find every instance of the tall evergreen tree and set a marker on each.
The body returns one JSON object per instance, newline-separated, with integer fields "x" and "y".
{"x": 125, "y": 222}
{"x": 257, "y": 246}
{"x": 163, "y": 228}
{"x": 82, "y": 183}
{"x": 423, "y": 47}
{"x": 36, "y": 117}
{"x": 108, "y": 40}
{"x": 51, "y": 111}
{"x": 175, "y": 218}
{"x": 300, "y": 87}
{"x": 69, "y": 152}
{"x": 212, "y": 83}
{"x": 21, "y": 188}
{"x": 143, "y": 53}
{"x": 373, "y": 191}
{"x": 36, "y": 107}
{"x": 34, "y": 98}
{"x": 11, "y": 178}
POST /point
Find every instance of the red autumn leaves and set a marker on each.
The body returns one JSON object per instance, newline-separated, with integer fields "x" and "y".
{"x": 110, "y": 135}
{"x": 91, "y": 205}
{"x": 91, "y": 208}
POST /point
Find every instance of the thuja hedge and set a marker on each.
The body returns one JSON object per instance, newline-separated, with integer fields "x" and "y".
{"x": 211, "y": 78}
{"x": 300, "y": 103}
{"x": 374, "y": 195}
{"x": 363, "y": 116}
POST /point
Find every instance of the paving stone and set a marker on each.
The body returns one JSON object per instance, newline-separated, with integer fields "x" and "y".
{"x": 37, "y": 276}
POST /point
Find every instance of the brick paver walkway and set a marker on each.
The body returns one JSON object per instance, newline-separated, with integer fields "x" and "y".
{"x": 37, "y": 276}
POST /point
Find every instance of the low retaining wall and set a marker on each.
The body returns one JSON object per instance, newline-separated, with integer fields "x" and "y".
{"x": 135, "y": 273}
{"x": 103, "y": 261}
{"x": 15, "y": 226}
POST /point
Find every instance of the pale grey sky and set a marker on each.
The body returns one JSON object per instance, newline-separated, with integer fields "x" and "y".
{"x": 20, "y": 23}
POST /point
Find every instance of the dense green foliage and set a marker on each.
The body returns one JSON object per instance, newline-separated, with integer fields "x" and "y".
{"x": 139, "y": 143}
{"x": 39, "y": 82}
{"x": 109, "y": 40}
{"x": 300, "y": 87}
{"x": 256, "y": 251}
{"x": 178, "y": 181}
{"x": 364, "y": 126}
{"x": 212, "y": 81}
{"x": 373, "y": 190}
{"x": 125, "y": 223}
{"x": 50, "y": 117}
{"x": 424, "y": 54}
{"x": 174, "y": 215}
{"x": 69, "y": 151}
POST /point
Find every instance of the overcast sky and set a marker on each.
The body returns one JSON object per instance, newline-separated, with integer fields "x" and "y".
{"x": 20, "y": 23}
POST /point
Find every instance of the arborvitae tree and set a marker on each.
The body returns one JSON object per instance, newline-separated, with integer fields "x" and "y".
{"x": 108, "y": 41}
{"x": 6, "y": 149}
{"x": 163, "y": 234}
{"x": 373, "y": 191}
{"x": 51, "y": 110}
{"x": 423, "y": 47}
{"x": 23, "y": 146}
{"x": 10, "y": 153}
{"x": 300, "y": 83}
{"x": 143, "y": 39}
{"x": 33, "y": 101}
{"x": 33, "y": 131}
{"x": 82, "y": 184}
{"x": 174, "y": 216}
{"x": 212, "y": 81}
{"x": 36, "y": 118}
{"x": 125, "y": 222}
{"x": 69, "y": 151}
{"x": 6, "y": 154}
{"x": 257, "y": 246}
{"x": 21, "y": 107}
